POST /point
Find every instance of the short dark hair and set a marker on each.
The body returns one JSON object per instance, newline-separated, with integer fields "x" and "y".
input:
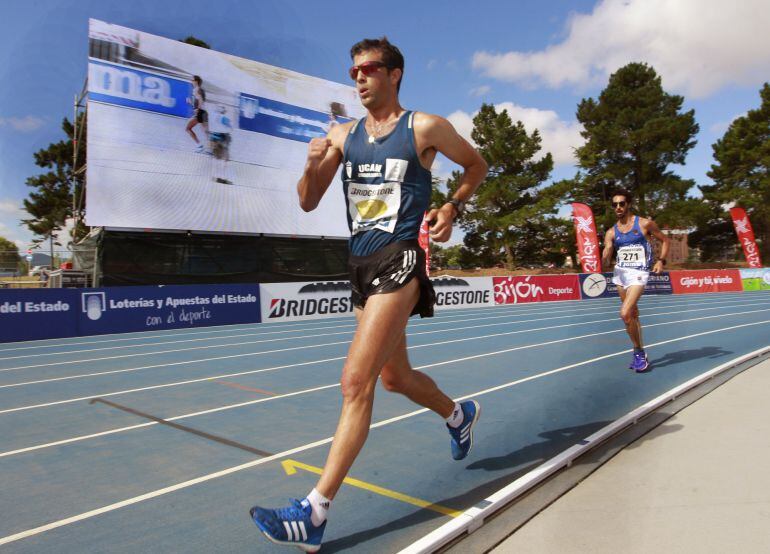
{"x": 198, "y": 80}
{"x": 391, "y": 55}
{"x": 625, "y": 193}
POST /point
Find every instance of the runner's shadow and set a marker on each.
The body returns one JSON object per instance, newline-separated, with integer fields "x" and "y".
{"x": 356, "y": 542}
{"x": 517, "y": 463}
{"x": 557, "y": 440}
{"x": 672, "y": 358}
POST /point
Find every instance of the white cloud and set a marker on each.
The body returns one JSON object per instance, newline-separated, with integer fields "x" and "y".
{"x": 11, "y": 228}
{"x": 697, "y": 46}
{"x": 480, "y": 91}
{"x": 431, "y": 64}
{"x": 12, "y": 208}
{"x": 560, "y": 137}
{"x": 25, "y": 124}
{"x": 720, "y": 127}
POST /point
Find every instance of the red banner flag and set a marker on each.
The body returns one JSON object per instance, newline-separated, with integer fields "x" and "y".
{"x": 746, "y": 236}
{"x": 587, "y": 241}
{"x": 424, "y": 239}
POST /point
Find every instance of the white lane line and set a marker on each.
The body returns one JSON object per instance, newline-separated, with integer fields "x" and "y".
{"x": 277, "y": 397}
{"x": 481, "y": 337}
{"x": 442, "y": 317}
{"x": 204, "y": 478}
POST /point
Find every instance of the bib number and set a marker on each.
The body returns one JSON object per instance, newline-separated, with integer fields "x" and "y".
{"x": 632, "y": 256}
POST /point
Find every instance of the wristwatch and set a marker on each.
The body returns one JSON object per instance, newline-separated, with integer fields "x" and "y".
{"x": 661, "y": 260}
{"x": 458, "y": 204}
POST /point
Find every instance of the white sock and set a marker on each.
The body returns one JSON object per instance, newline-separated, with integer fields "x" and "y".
{"x": 456, "y": 418}
{"x": 320, "y": 505}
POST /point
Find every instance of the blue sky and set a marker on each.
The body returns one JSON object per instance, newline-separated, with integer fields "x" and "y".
{"x": 538, "y": 59}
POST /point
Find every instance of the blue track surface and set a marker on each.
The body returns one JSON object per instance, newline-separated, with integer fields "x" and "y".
{"x": 190, "y": 427}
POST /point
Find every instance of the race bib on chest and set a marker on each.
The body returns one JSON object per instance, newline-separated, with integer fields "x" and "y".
{"x": 376, "y": 206}
{"x": 633, "y": 255}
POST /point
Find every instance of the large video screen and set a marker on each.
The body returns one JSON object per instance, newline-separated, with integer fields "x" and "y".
{"x": 186, "y": 138}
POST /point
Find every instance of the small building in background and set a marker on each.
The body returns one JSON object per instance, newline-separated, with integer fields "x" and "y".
{"x": 679, "y": 251}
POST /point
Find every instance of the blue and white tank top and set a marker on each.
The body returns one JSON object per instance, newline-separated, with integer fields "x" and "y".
{"x": 632, "y": 248}
{"x": 386, "y": 188}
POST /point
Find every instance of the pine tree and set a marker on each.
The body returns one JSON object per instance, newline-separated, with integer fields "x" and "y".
{"x": 505, "y": 217}
{"x": 741, "y": 173}
{"x": 51, "y": 203}
{"x": 634, "y": 131}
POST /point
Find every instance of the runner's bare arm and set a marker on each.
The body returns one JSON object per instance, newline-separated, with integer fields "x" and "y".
{"x": 436, "y": 134}
{"x": 323, "y": 158}
{"x": 609, "y": 247}
{"x": 665, "y": 241}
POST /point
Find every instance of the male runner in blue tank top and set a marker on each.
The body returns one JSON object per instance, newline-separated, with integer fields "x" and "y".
{"x": 629, "y": 238}
{"x": 386, "y": 159}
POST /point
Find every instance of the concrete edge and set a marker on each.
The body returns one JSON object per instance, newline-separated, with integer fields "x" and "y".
{"x": 602, "y": 445}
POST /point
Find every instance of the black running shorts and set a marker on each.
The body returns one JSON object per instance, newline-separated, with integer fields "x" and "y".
{"x": 389, "y": 269}
{"x": 202, "y": 116}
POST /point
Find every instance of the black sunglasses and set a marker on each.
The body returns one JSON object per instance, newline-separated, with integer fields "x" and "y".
{"x": 621, "y": 204}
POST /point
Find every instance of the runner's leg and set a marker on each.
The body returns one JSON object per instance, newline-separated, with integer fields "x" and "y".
{"x": 190, "y": 124}
{"x": 629, "y": 313}
{"x": 380, "y": 329}
{"x": 398, "y": 376}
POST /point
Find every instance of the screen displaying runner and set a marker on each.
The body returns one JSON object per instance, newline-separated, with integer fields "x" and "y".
{"x": 186, "y": 138}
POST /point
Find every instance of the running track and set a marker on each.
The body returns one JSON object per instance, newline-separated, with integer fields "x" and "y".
{"x": 160, "y": 442}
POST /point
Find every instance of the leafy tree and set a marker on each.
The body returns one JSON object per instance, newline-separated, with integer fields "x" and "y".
{"x": 634, "y": 131}
{"x": 51, "y": 203}
{"x": 504, "y": 219}
{"x": 9, "y": 255}
{"x": 444, "y": 257}
{"x": 741, "y": 173}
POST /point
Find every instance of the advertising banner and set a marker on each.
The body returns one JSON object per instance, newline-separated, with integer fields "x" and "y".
{"x": 589, "y": 249}
{"x": 187, "y": 138}
{"x": 30, "y": 314}
{"x": 463, "y": 292}
{"x": 301, "y": 301}
{"x": 756, "y": 279}
{"x": 535, "y": 288}
{"x": 600, "y": 285}
{"x": 706, "y": 280}
{"x": 746, "y": 236}
{"x": 130, "y": 309}
{"x": 424, "y": 239}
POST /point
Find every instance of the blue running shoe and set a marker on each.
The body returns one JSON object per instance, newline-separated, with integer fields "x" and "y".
{"x": 290, "y": 526}
{"x": 462, "y": 436}
{"x": 640, "y": 363}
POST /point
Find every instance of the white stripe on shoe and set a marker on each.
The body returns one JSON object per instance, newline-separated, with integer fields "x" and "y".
{"x": 296, "y": 531}
{"x": 289, "y": 536}
{"x": 304, "y": 531}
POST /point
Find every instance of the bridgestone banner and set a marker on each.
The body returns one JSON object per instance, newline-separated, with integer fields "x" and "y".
{"x": 463, "y": 292}
{"x": 306, "y": 300}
